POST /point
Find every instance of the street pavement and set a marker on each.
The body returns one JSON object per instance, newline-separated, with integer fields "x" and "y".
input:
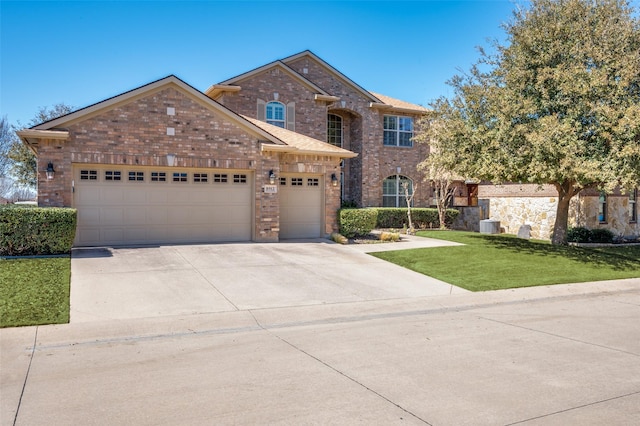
{"x": 348, "y": 354}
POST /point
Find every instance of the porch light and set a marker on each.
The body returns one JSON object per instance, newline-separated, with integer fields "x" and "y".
{"x": 171, "y": 160}
{"x": 272, "y": 177}
{"x": 334, "y": 179}
{"x": 50, "y": 171}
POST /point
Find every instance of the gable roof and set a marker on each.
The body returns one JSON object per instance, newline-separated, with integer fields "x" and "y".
{"x": 333, "y": 71}
{"x": 55, "y": 128}
{"x": 232, "y": 83}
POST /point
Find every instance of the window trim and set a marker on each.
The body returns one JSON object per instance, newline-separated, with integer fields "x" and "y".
{"x": 400, "y": 200}
{"x": 337, "y": 121}
{"x": 397, "y": 131}
{"x": 602, "y": 208}
{"x": 276, "y": 121}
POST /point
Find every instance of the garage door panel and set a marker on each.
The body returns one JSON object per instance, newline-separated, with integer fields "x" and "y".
{"x": 151, "y": 212}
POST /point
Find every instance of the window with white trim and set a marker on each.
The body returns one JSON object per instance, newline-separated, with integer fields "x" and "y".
{"x": 88, "y": 175}
{"x": 633, "y": 205}
{"x": 239, "y": 178}
{"x": 220, "y": 178}
{"x": 296, "y": 181}
{"x": 398, "y": 131}
{"x": 334, "y": 130}
{"x": 393, "y": 191}
{"x": 158, "y": 177}
{"x": 112, "y": 175}
{"x": 275, "y": 114}
{"x": 136, "y": 176}
{"x": 179, "y": 177}
{"x": 313, "y": 182}
{"x": 200, "y": 177}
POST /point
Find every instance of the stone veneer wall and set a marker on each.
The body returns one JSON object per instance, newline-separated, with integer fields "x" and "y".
{"x": 513, "y": 212}
{"x": 584, "y": 212}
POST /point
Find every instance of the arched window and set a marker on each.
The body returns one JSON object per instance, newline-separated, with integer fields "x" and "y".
{"x": 275, "y": 114}
{"x": 334, "y": 130}
{"x": 393, "y": 191}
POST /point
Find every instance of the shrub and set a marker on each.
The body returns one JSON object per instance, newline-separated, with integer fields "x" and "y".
{"x": 578, "y": 235}
{"x": 389, "y": 236}
{"x": 355, "y": 222}
{"x": 601, "y": 236}
{"x": 585, "y": 235}
{"x": 394, "y": 217}
{"x": 34, "y": 230}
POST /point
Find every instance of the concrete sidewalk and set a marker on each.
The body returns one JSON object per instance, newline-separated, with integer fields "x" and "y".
{"x": 567, "y": 354}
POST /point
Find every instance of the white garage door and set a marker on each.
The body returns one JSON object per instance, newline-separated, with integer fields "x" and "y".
{"x": 143, "y": 205}
{"x": 301, "y": 206}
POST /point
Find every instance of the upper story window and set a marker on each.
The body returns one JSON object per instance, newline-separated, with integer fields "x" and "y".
{"x": 633, "y": 205}
{"x": 334, "y": 130}
{"x": 275, "y": 114}
{"x": 398, "y": 131}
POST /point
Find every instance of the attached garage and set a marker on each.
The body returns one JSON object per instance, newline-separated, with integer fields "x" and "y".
{"x": 301, "y": 206}
{"x": 147, "y": 205}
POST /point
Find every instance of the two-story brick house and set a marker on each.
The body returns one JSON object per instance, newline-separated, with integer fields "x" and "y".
{"x": 263, "y": 156}
{"x": 305, "y": 94}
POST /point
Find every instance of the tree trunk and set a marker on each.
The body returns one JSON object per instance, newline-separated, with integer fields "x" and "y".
{"x": 566, "y": 191}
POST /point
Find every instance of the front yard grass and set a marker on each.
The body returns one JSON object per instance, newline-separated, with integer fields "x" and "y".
{"x": 34, "y": 291}
{"x": 492, "y": 262}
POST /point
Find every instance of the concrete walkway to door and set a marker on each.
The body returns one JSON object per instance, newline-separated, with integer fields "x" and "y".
{"x": 153, "y": 281}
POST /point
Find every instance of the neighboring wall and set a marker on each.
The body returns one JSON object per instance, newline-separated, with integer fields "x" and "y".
{"x": 515, "y": 205}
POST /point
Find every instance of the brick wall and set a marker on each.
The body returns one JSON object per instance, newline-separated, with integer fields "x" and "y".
{"x": 362, "y": 127}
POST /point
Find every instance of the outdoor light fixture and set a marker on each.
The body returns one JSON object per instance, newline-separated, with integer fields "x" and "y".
{"x": 272, "y": 177}
{"x": 50, "y": 171}
{"x": 171, "y": 160}
{"x": 334, "y": 179}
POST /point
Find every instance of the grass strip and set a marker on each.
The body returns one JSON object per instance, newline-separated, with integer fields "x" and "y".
{"x": 492, "y": 262}
{"x": 34, "y": 291}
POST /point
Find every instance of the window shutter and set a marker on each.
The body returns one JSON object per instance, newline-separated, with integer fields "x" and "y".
{"x": 261, "y": 114}
{"x": 291, "y": 116}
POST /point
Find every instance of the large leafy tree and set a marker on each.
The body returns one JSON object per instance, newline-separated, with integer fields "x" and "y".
{"x": 558, "y": 103}
{"x": 23, "y": 161}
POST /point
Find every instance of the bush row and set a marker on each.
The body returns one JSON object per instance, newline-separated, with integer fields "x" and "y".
{"x": 33, "y": 230}
{"x": 354, "y": 222}
{"x": 586, "y": 235}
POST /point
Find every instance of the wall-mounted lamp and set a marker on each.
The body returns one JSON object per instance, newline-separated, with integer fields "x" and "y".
{"x": 50, "y": 171}
{"x": 334, "y": 179}
{"x": 272, "y": 177}
{"x": 171, "y": 160}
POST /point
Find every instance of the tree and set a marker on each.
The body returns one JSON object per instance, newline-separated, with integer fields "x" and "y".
{"x": 558, "y": 104}
{"x": 23, "y": 160}
{"x": 409, "y": 193}
{"x": 7, "y": 138}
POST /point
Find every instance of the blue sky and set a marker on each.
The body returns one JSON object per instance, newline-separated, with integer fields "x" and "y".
{"x": 82, "y": 52}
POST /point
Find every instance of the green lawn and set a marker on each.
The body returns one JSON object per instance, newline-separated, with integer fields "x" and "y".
{"x": 34, "y": 291}
{"x": 491, "y": 262}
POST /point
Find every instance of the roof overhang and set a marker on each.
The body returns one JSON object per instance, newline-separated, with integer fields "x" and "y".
{"x": 32, "y": 137}
{"x": 326, "y": 98}
{"x": 218, "y": 89}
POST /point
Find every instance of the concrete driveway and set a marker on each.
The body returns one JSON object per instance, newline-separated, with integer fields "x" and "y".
{"x": 119, "y": 283}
